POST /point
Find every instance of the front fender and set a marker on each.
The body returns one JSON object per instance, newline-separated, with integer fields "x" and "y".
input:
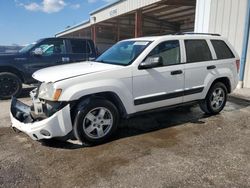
{"x": 121, "y": 87}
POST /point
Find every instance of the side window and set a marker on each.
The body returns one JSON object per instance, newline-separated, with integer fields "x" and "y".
{"x": 52, "y": 47}
{"x": 222, "y": 50}
{"x": 79, "y": 46}
{"x": 197, "y": 50}
{"x": 169, "y": 51}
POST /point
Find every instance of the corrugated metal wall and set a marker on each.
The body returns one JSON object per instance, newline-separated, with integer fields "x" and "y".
{"x": 226, "y": 17}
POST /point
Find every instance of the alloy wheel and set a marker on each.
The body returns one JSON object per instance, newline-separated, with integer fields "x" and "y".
{"x": 8, "y": 86}
{"x": 98, "y": 122}
{"x": 217, "y": 98}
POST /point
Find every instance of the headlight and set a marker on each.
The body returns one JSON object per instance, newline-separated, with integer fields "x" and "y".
{"x": 47, "y": 91}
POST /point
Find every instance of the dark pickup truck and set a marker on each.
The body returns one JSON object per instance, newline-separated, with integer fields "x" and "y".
{"x": 17, "y": 69}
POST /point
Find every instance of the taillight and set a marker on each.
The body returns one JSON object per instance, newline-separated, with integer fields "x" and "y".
{"x": 238, "y": 65}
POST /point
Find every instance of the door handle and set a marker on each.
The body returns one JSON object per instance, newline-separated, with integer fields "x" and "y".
{"x": 65, "y": 59}
{"x": 211, "y": 67}
{"x": 176, "y": 72}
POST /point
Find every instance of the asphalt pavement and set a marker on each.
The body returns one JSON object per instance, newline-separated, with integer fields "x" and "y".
{"x": 175, "y": 148}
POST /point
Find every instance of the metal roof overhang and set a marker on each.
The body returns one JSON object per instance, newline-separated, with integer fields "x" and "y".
{"x": 167, "y": 13}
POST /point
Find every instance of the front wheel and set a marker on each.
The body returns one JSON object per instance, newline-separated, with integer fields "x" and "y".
{"x": 95, "y": 122}
{"x": 215, "y": 100}
{"x": 10, "y": 85}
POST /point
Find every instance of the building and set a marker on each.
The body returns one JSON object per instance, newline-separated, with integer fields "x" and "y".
{"x": 134, "y": 18}
{"x": 10, "y": 49}
{"x": 123, "y": 19}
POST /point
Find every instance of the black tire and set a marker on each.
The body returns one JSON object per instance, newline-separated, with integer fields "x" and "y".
{"x": 82, "y": 123}
{"x": 210, "y": 105}
{"x": 10, "y": 85}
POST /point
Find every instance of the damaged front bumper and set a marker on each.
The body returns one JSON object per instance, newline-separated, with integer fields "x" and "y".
{"x": 57, "y": 125}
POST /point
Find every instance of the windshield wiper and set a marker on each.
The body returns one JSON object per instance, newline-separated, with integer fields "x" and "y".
{"x": 101, "y": 61}
{"x": 110, "y": 62}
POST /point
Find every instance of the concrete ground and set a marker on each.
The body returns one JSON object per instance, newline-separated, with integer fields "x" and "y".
{"x": 177, "y": 148}
{"x": 242, "y": 93}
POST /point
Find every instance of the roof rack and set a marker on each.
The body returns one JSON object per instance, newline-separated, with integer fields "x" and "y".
{"x": 192, "y": 33}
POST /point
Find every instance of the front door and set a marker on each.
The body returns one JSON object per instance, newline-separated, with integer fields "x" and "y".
{"x": 53, "y": 54}
{"x": 163, "y": 85}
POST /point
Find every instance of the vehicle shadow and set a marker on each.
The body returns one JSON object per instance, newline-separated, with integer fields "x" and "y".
{"x": 158, "y": 120}
{"x": 173, "y": 117}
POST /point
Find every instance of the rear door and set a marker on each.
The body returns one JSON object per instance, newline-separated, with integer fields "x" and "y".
{"x": 199, "y": 68}
{"x": 80, "y": 50}
{"x": 163, "y": 85}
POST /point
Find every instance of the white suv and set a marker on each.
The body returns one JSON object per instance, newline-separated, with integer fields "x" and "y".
{"x": 134, "y": 76}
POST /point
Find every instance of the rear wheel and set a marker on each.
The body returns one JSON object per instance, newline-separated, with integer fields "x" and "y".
{"x": 215, "y": 100}
{"x": 95, "y": 121}
{"x": 10, "y": 85}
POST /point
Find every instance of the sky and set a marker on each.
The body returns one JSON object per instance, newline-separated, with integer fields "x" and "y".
{"x": 25, "y": 21}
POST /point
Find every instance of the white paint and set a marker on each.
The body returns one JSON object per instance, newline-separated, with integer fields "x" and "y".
{"x": 59, "y": 124}
{"x": 70, "y": 70}
{"x": 130, "y": 83}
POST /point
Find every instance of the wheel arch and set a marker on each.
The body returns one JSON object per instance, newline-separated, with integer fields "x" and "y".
{"x": 12, "y": 70}
{"x": 206, "y": 104}
{"x": 108, "y": 95}
{"x": 225, "y": 81}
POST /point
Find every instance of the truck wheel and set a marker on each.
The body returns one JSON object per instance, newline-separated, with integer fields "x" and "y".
{"x": 10, "y": 85}
{"x": 95, "y": 122}
{"x": 215, "y": 100}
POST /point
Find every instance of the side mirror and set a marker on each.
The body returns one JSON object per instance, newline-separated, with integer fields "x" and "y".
{"x": 38, "y": 51}
{"x": 151, "y": 62}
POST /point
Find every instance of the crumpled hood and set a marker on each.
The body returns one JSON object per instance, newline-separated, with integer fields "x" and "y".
{"x": 61, "y": 72}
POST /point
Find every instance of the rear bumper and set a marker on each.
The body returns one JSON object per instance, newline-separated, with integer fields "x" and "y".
{"x": 57, "y": 125}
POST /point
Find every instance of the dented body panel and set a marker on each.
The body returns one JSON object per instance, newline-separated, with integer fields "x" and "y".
{"x": 57, "y": 125}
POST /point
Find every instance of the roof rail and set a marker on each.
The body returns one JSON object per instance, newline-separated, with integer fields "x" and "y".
{"x": 192, "y": 33}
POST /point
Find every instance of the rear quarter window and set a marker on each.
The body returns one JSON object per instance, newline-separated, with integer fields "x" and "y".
{"x": 222, "y": 50}
{"x": 197, "y": 50}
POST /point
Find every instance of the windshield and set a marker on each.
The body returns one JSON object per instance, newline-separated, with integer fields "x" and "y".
{"x": 27, "y": 48}
{"x": 123, "y": 53}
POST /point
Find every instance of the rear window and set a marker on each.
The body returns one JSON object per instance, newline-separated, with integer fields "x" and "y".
{"x": 197, "y": 50}
{"x": 79, "y": 46}
{"x": 222, "y": 50}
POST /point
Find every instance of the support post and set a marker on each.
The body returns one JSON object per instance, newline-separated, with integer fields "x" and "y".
{"x": 93, "y": 33}
{"x": 138, "y": 23}
{"x": 118, "y": 30}
{"x": 245, "y": 46}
